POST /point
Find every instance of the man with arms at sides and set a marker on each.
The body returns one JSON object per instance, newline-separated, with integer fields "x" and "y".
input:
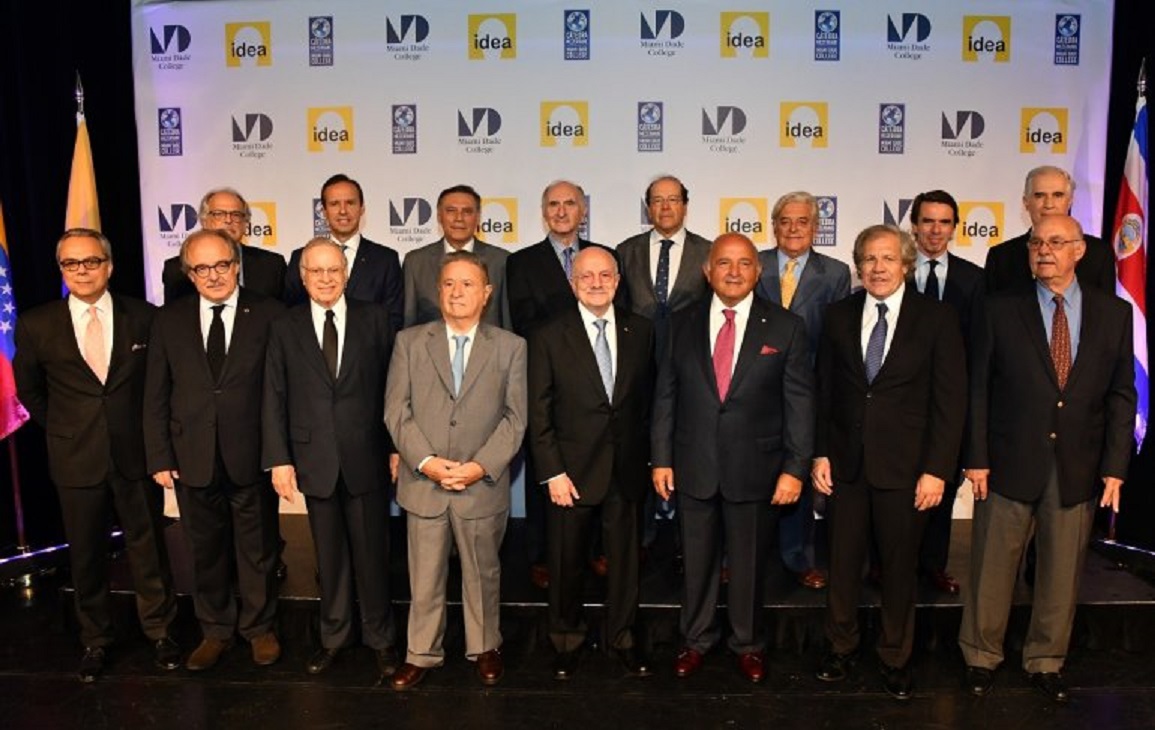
{"x": 939, "y": 274}
{"x": 1052, "y": 412}
{"x": 79, "y": 370}
{"x": 261, "y": 271}
{"x": 538, "y": 287}
{"x": 891, "y": 408}
{"x": 202, "y": 437}
{"x": 805, "y": 282}
{"x": 456, "y": 407}
{"x": 732, "y": 431}
{"x": 325, "y": 437}
{"x": 1048, "y": 190}
{"x": 458, "y": 210}
{"x": 591, "y": 384}
{"x": 373, "y": 273}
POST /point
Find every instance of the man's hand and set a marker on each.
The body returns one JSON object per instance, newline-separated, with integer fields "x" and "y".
{"x": 788, "y": 489}
{"x": 461, "y": 476}
{"x": 663, "y": 478}
{"x": 168, "y": 477}
{"x": 1111, "y": 488}
{"x": 928, "y": 492}
{"x": 394, "y": 466}
{"x": 437, "y": 469}
{"x": 562, "y": 492}
{"x": 285, "y": 482}
{"x": 978, "y": 479}
{"x": 820, "y": 475}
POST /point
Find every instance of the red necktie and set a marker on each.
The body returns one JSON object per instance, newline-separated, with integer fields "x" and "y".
{"x": 724, "y": 354}
{"x": 1061, "y": 343}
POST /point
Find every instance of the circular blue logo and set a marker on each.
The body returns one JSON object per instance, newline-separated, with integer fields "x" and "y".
{"x": 826, "y": 207}
{"x": 827, "y": 22}
{"x": 892, "y": 115}
{"x": 321, "y": 28}
{"x": 1068, "y": 25}
{"x": 576, "y": 21}
{"x": 170, "y": 118}
{"x": 404, "y": 116}
{"x": 650, "y": 113}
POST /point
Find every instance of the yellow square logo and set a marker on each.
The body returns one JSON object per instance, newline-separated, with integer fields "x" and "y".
{"x": 498, "y": 220}
{"x": 980, "y": 223}
{"x": 248, "y": 44}
{"x": 743, "y": 215}
{"x": 986, "y": 35}
{"x": 565, "y": 123}
{"x": 330, "y": 127}
{"x": 804, "y": 124}
{"x": 262, "y": 230}
{"x": 745, "y": 33}
{"x": 1043, "y": 126}
{"x": 492, "y": 35}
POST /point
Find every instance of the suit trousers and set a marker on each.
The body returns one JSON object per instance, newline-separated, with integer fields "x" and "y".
{"x": 743, "y": 530}
{"x": 88, "y": 513}
{"x": 351, "y": 536}
{"x": 478, "y": 542}
{"x": 859, "y": 513}
{"x": 936, "y": 539}
{"x": 230, "y": 525}
{"x": 796, "y": 532}
{"x": 569, "y": 538}
{"x": 1000, "y": 532}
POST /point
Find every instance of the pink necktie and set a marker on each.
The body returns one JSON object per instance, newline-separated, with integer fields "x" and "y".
{"x": 724, "y": 354}
{"x": 94, "y": 345}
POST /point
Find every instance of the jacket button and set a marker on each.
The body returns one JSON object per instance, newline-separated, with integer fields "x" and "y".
{"x": 453, "y": 423}
{"x": 1059, "y": 404}
{"x": 1052, "y": 436}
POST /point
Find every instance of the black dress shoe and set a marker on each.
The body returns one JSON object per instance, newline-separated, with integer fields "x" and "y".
{"x": 166, "y": 654}
{"x": 835, "y": 667}
{"x": 979, "y": 681}
{"x": 1051, "y": 684}
{"x": 91, "y": 664}
{"x": 321, "y": 660}
{"x": 565, "y": 664}
{"x": 896, "y": 681}
{"x": 633, "y": 661}
{"x": 388, "y": 661}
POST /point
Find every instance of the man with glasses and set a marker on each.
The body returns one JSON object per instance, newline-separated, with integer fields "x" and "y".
{"x": 80, "y": 368}
{"x": 261, "y": 271}
{"x": 202, "y": 425}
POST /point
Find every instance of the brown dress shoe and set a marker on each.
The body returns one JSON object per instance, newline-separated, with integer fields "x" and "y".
{"x": 600, "y": 566}
{"x": 943, "y": 582}
{"x": 752, "y": 665}
{"x": 266, "y": 649}
{"x": 407, "y": 677}
{"x": 207, "y": 654}
{"x": 813, "y": 579}
{"x": 490, "y": 667}
{"x": 539, "y": 576}
{"x": 687, "y": 662}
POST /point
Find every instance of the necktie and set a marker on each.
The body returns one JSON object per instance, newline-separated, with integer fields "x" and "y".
{"x": 329, "y": 343}
{"x": 94, "y": 345}
{"x": 876, "y": 344}
{"x": 605, "y": 360}
{"x": 459, "y": 362}
{"x": 724, "y": 354}
{"x": 931, "y": 287}
{"x": 789, "y": 283}
{"x": 567, "y": 262}
{"x": 215, "y": 349}
{"x": 662, "y": 280}
{"x": 1061, "y": 342}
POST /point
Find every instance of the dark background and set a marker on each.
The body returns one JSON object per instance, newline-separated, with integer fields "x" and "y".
{"x": 39, "y": 60}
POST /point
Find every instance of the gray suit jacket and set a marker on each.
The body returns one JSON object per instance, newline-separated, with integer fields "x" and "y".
{"x": 824, "y": 281}
{"x": 689, "y": 287}
{"x": 422, "y": 299}
{"x": 484, "y": 423}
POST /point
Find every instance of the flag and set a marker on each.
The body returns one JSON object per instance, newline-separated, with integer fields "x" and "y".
{"x": 83, "y": 211}
{"x": 12, "y": 414}
{"x": 1130, "y": 244}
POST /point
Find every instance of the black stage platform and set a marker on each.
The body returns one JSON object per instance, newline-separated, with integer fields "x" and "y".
{"x": 1111, "y": 667}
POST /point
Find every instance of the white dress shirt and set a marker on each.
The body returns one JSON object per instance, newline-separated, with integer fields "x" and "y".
{"x": 870, "y": 317}
{"x": 589, "y": 319}
{"x": 471, "y": 333}
{"x": 228, "y": 316}
{"x": 318, "y": 313}
{"x": 679, "y": 239}
{"x": 741, "y": 317}
{"x": 79, "y": 312}
{"x": 351, "y": 247}
{"x": 922, "y": 270}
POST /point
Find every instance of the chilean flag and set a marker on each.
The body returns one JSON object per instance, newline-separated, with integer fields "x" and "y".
{"x": 1130, "y": 244}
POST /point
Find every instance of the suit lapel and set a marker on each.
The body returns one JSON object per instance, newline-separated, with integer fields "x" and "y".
{"x": 437, "y": 347}
{"x": 752, "y": 340}
{"x": 121, "y": 344}
{"x": 1037, "y": 331}
{"x": 1088, "y": 331}
{"x": 628, "y": 357}
{"x": 705, "y": 349}
{"x": 772, "y": 284}
{"x": 578, "y": 342}
{"x": 479, "y": 355}
{"x": 302, "y": 319}
{"x": 853, "y": 332}
{"x": 64, "y": 327}
{"x": 686, "y": 268}
{"x": 808, "y": 282}
{"x": 191, "y": 318}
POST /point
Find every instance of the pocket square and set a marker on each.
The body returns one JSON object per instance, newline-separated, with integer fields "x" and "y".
{"x": 768, "y": 350}
{"x": 139, "y": 346}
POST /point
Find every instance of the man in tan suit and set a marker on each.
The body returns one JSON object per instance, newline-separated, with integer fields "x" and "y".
{"x": 455, "y": 403}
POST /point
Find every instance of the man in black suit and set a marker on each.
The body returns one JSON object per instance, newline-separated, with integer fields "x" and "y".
{"x": 374, "y": 272}
{"x": 1052, "y": 411}
{"x": 224, "y": 209}
{"x": 1048, "y": 190}
{"x": 941, "y": 275}
{"x": 202, "y": 426}
{"x": 733, "y": 429}
{"x": 79, "y": 370}
{"x": 324, "y": 436}
{"x": 891, "y": 408}
{"x": 590, "y": 386}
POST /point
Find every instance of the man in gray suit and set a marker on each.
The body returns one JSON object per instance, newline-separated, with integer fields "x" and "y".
{"x": 455, "y": 404}
{"x": 458, "y": 209}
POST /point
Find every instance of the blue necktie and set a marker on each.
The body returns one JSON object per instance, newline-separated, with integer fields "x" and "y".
{"x": 876, "y": 344}
{"x": 662, "y": 280}
{"x": 930, "y": 289}
{"x": 459, "y": 362}
{"x": 567, "y": 261}
{"x": 605, "y": 361}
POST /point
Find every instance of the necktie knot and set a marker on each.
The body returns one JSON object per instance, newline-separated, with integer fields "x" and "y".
{"x": 667, "y": 244}
{"x": 882, "y": 309}
{"x": 791, "y": 265}
{"x": 932, "y": 264}
{"x": 217, "y": 310}
{"x": 601, "y": 325}
{"x": 729, "y": 315}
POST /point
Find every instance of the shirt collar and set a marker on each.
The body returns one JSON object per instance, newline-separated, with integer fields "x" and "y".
{"x": 893, "y": 302}
{"x": 338, "y": 308}
{"x": 207, "y": 305}
{"x": 77, "y": 307}
{"x": 471, "y": 333}
{"x": 742, "y": 307}
{"x": 351, "y": 245}
{"x": 468, "y": 246}
{"x": 679, "y": 236}
{"x": 588, "y": 317}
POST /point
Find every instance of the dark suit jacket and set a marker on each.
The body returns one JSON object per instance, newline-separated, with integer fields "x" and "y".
{"x": 422, "y": 293}
{"x": 690, "y": 286}
{"x": 908, "y": 422}
{"x": 573, "y": 426}
{"x": 963, "y": 290}
{"x": 536, "y": 286}
{"x": 1023, "y": 425}
{"x": 323, "y": 427}
{"x": 264, "y": 273}
{"x": 186, "y": 414}
{"x": 375, "y": 277}
{"x": 764, "y": 427}
{"x": 824, "y": 280}
{"x": 85, "y": 421}
{"x": 1007, "y": 265}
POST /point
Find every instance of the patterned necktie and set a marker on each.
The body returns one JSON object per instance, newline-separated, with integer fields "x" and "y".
{"x": 1061, "y": 342}
{"x": 605, "y": 360}
{"x": 459, "y": 362}
{"x": 94, "y": 345}
{"x": 789, "y": 284}
{"x": 567, "y": 262}
{"x": 931, "y": 287}
{"x": 329, "y": 343}
{"x": 215, "y": 349}
{"x": 876, "y": 344}
{"x": 662, "y": 280}
{"x": 724, "y": 354}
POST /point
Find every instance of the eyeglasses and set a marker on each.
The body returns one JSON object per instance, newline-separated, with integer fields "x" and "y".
{"x": 669, "y": 200}
{"x": 332, "y": 271}
{"x": 1055, "y": 244}
{"x": 229, "y": 215}
{"x": 588, "y": 278}
{"x": 91, "y": 263}
{"x": 221, "y": 267}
